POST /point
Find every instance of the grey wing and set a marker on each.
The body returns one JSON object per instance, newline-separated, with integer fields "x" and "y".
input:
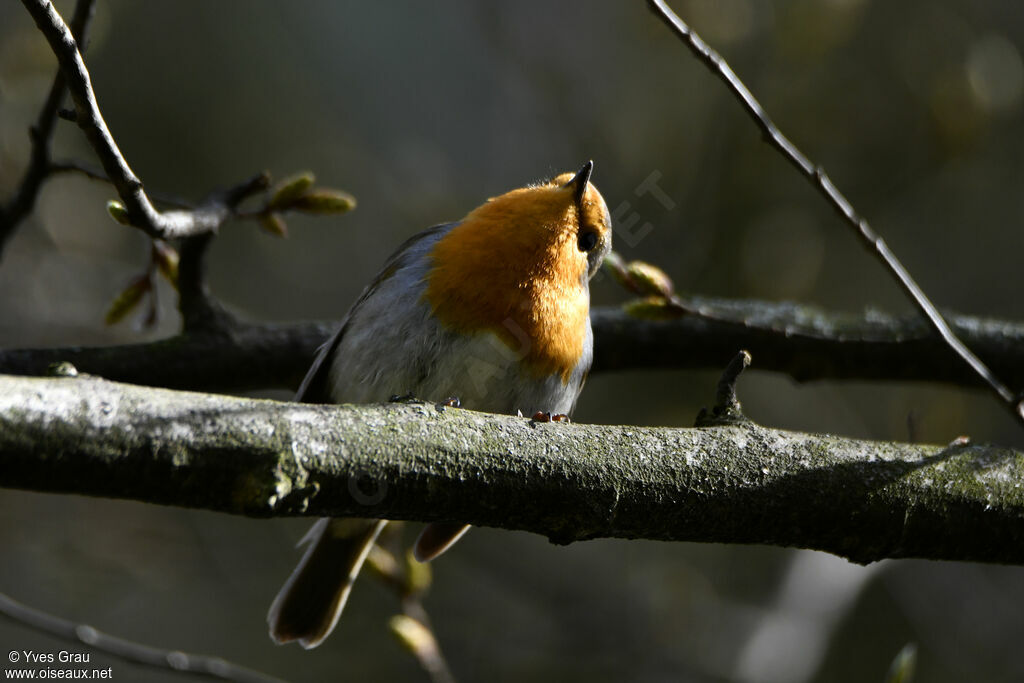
{"x": 314, "y": 385}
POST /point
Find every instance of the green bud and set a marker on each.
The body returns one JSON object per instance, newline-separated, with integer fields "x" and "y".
{"x": 118, "y": 212}
{"x": 651, "y": 308}
{"x": 614, "y": 264}
{"x": 647, "y": 279}
{"x": 290, "y": 189}
{"x": 274, "y": 224}
{"x": 324, "y": 201}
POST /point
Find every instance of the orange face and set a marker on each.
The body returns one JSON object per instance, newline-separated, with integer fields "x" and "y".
{"x": 519, "y": 266}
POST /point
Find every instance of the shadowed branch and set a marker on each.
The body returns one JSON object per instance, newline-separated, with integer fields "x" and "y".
{"x": 801, "y": 341}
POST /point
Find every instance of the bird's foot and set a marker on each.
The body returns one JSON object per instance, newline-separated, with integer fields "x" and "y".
{"x": 542, "y": 416}
{"x": 450, "y": 402}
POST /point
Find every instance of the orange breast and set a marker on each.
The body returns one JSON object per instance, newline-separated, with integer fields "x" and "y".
{"x": 512, "y": 267}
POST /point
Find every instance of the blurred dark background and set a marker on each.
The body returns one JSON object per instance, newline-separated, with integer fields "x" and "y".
{"x": 422, "y": 110}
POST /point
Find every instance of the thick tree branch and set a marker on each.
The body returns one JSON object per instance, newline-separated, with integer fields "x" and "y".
{"x": 742, "y": 484}
{"x": 802, "y": 341}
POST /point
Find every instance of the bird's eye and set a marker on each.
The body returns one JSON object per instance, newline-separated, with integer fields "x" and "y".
{"x": 587, "y": 240}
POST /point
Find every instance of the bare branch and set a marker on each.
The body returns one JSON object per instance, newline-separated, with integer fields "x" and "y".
{"x": 78, "y": 167}
{"x": 740, "y": 484}
{"x": 802, "y": 341}
{"x": 167, "y": 225}
{"x": 71, "y": 166}
{"x": 129, "y": 651}
{"x": 817, "y": 177}
{"x": 42, "y": 133}
{"x": 805, "y": 342}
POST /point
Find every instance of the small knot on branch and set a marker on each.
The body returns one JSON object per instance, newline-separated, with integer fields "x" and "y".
{"x": 727, "y": 409}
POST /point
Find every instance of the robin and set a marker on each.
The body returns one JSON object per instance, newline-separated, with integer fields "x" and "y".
{"x": 493, "y": 309}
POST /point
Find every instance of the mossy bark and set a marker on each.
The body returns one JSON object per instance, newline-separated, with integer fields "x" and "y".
{"x": 735, "y": 484}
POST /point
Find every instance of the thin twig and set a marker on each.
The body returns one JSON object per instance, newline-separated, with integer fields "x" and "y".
{"x": 173, "y": 660}
{"x": 167, "y": 225}
{"x": 93, "y": 173}
{"x": 727, "y": 409}
{"x": 41, "y": 134}
{"x": 817, "y": 177}
{"x": 90, "y": 172}
{"x": 725, "y": 394}
{"x": 420, "y": 640}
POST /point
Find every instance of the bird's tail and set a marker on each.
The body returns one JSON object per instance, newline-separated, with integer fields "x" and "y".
{"x": 308, "y": 606}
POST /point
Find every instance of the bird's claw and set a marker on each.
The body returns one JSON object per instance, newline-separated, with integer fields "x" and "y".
{"x": 450, "y": 402}
{"x": 542, "y": 416}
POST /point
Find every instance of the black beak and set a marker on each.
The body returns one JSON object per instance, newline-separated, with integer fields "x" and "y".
{"x": 580, "y": 181}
